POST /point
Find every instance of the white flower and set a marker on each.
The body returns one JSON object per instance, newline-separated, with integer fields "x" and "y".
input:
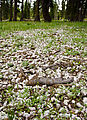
{"x": 86, "y": 110}
{"x": 70, "y": 94}
{"x": 58, "y": 106}
{"x": 26, "y": 114}
{"x": 77, "y": 84}
{"x": 66, "y": 108}
{"x": 79, "y": 105}
{"x": 74, "y": 116}
{"x": 17, "y": 80}
{"x": 53, "y": 99}
{"x": 60, "y": 114}
{"x": 75, "y": 79}
{"x": 61, "y": 109}
{"x": 66, "y": 102}
{"x": 73, "y": 101}
{"x": 32, "y": 108}
{"x": 1, "y": 108}
{"x": 32, "y": 112}
{"x": 85, "y": 100}
{"x": 76, "y": 111}
{"x": 78, "y": 118}
{"x": 41, "y": 116}
{"x": 73, "y": 86}
{"x": 41, "y": 97}
{"x": 67, "y": 115}
{"x": 46, "y": 113}
{"x": 35, "y": 118}
{"x": 70, "y": 106}
{"x": 40, "y": 111}
{"x": 5, "y": 103}
{"x": 84, "y": 91}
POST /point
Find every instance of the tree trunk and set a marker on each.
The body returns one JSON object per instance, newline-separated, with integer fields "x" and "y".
{"x": 37, "y": 16}
{"x": 29, "y": 10}
{"x": 83, "y": 11}
{"x": 11, "y": 11}
{"x": 7, "y": 9}
{"x": 22, "y": 11}
{"x": 45, "y": 10}
{"x": 0, "y": 10}
{"x": 15, "y": 10}
{"x": 76, "y": 10}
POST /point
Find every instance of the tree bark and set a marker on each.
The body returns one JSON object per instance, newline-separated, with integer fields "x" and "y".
{"x": 29, "y": 10}
{"x": 37, "y": 16}
{"x": 15, "y": 10}
{"x": 76, "y": 10}
{"x": 45, "y": 10}
{"x": 11, "y": 11}
{"x": 83, "y": 10}
{"x": 0, "y": 10}
{"x": 22, "y": 11}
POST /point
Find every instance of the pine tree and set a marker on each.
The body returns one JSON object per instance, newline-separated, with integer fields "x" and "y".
{"x": 76, "y": 10}
{"x": 0, "y": 10}
{"x": 22, "y": 14}
{"x": 45, "y": 10}
{"x": 37, "y": 14}
{"x": 11, "y": 10}
{"x": 15, "y": 10}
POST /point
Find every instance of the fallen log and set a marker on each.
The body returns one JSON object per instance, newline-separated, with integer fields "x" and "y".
{"x": 36, "y": 80}
{"x": 48, "y": 81}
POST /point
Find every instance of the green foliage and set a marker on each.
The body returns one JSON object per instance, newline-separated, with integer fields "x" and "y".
{"x": 11, "y": 114}
{"x": 6, "y": 27}
{"x": 25, "y": 63}
{"x": 10, "y": 64}
{"x": 1, "y": 76}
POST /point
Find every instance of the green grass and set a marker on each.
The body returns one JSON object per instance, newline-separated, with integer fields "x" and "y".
{"x": 7, "y": 27}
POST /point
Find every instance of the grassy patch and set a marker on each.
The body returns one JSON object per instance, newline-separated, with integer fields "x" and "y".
{"x": 7, "y": 27}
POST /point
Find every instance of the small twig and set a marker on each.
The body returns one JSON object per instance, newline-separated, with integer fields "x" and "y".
{"x": 61, "y": 64}
{"x": 76, "y": 59}
{"x": 57, "y": 85}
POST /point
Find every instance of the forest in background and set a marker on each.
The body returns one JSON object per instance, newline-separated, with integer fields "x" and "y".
{"x": 46, "y": 10}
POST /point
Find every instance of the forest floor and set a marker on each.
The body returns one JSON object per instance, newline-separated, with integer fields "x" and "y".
{"x": 26, "y": 48}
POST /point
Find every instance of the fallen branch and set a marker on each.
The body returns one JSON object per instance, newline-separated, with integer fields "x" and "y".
{"x": 76, "y": 59}
{"x": 61, "y": 64}
{"x": 45, "y": 80}
{"x": 57, "y": 85}
{"x": 48, "y": 81}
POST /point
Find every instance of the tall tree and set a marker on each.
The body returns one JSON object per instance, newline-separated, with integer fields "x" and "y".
{"x": 52, "y": 9}
{"x": 22, "y": 14}
{"x": 0, "y": 10}
{"x": 29, "y": 6}
{"x": 83, "y": 9}
{"x": 34, "y": 9}
{"x": 26, "y": 9}
{"x": 11, "y": 10}
{"x": 45, "y": 10}
{"x": 63, "y": 9}
{"x": 6, "y": 9}
{"x": 76, "y": 10}
{"x": 37, "y": 16}
{"x": 15, "y": 10}
{"x": 3, "y": 9}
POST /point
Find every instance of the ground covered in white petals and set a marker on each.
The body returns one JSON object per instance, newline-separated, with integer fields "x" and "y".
{"x": 51, "y": 53}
